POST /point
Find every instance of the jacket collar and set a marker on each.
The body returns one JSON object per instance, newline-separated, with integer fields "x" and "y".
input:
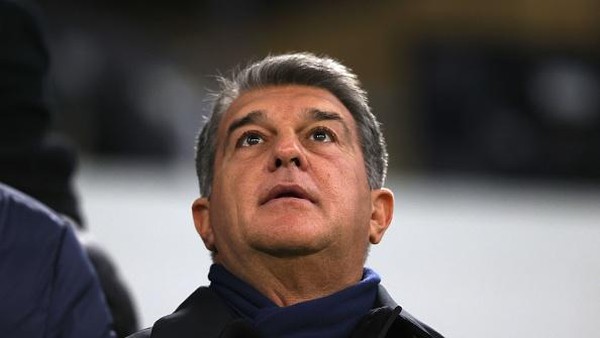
{"x": 204, "y": 314}
{"x": 404, "y": 324}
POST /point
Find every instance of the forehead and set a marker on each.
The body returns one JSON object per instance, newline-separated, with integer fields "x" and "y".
{"x": 280, "y": 101}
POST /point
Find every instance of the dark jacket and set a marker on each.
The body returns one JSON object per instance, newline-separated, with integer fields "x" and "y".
{"x": 204, "y": 314}
{"x": 48, "y": 287}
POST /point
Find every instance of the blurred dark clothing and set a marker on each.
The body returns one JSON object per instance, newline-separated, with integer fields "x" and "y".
{"x": 30, "y": 160}
{"x": 33, "y": 161}
{"x": 117, "y": 294}
{"x": 48, "y": 286}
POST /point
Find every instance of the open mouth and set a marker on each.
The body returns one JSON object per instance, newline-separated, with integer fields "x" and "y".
{"x": 286, "y": 191}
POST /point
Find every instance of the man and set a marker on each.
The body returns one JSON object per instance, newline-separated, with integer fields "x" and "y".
{"x": 48, "y": 288}
{"x": 291, "y": 167}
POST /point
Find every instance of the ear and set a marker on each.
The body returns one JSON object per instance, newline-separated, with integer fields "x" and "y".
{"x": 200, "y": 213}
{"x": 381, "y": 214}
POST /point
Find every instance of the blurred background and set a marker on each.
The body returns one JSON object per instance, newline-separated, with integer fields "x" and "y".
{"x": 491, "y": 111}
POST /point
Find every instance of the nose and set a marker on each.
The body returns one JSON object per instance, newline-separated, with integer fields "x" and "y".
{"x": 288, "y": 152}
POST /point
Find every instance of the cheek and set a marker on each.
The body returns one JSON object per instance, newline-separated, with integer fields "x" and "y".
{"x": 346, "y": 181}
{"x": 350, "y": 170}
{"x": 233, "y": 174}
{"x": 233, "y": 190}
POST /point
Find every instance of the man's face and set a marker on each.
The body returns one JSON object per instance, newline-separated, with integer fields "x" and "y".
{"x": 289, "y": 179}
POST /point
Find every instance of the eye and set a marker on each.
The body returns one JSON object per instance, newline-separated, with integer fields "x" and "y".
{"x": 322, "y": 134}
{"x": 249, "y": 139}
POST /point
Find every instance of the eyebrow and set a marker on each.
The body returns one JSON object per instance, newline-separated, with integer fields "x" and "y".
{"x": 250, "y": 118}
{"x": 320, "y": 115}
{"x": 258, "y": 115}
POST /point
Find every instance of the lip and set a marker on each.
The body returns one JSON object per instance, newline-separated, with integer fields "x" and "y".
{"x": 281, "y": 191}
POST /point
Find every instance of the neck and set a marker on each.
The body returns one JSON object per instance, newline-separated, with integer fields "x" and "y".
{"x": 290, "y": 280}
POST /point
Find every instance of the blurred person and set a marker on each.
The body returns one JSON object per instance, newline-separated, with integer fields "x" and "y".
{"x": 291, "y": 167}
{"x": 35, "y": 162}
{"x": 48, "y": 287}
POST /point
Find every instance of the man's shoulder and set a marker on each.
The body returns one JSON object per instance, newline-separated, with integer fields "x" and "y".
{"x": 146, "y": 333}
{"x": 48, "y": 273}
{"x": 404, "y": 323}
{"x": 419, "y": 329}
{"x": 25, "y": 213}
{"x": 202, "y": 313}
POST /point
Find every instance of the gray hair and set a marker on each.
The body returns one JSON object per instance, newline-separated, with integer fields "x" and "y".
{"x": 296, "y": 69}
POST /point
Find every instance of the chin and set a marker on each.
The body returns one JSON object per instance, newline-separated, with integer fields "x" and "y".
{"x": 290, "y": 236}
{"x": 291, "y": 244}
{"x": 288, "y": 251}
